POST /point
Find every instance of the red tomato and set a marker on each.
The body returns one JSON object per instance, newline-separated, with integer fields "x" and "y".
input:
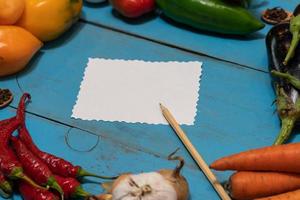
{"x": 133, "y": 8}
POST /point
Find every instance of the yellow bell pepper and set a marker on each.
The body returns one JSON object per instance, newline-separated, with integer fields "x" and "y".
{"x": 10, "y": 11}
{"x": 48, "y": 19}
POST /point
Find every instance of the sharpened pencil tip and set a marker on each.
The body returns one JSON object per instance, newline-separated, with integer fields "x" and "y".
{"x": 161, "y": 106}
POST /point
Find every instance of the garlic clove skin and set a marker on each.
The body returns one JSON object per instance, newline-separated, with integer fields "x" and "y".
{"x": 102, "y": 197}
{"x": 145, "y": 186}
{"x": 178, "y": 182}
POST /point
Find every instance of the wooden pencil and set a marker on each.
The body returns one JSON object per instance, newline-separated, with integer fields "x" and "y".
{"x": 194, "y": 153}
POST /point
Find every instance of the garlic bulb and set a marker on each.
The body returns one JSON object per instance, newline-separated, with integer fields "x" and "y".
{"x": 146, "y": 186}
{"x": 164, "y": 184}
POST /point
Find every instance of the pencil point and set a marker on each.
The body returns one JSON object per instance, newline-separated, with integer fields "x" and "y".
{"x": 161, "y": 106}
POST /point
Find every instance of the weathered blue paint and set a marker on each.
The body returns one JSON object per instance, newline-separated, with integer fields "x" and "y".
{"x": 234, "y": 105}
{"x": 106, "y": 157}
{"x": 249, "y": 51}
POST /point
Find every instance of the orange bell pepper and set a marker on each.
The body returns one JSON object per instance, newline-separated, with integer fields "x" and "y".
{"x": 17, "y": 47}
{"x": 11, "y": 11}
{"x": 48, "y": 19}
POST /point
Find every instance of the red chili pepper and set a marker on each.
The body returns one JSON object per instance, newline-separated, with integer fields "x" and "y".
{"x": 71, "y": 187}
{"x": 56, "y": 164}
{"x": 6, "y": 121}
{"x": 34, "y": 167}
{"x": 5, "y": 186}
{"x": 31, "y": 193}
{"x": 9, "y": 164}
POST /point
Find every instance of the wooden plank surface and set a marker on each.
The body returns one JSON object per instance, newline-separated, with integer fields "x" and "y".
{"x": 249, "y": 51}
{"x": 234, "y": 109}
{"x": 102, "y": 155}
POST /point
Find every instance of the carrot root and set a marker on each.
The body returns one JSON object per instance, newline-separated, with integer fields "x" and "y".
{"x": 281, "y": 158}
{"x": 294, "y": 195}
{"x": 251, "y": 185}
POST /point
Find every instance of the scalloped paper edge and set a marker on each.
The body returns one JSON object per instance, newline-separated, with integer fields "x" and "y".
{"x": 139, "y": 122}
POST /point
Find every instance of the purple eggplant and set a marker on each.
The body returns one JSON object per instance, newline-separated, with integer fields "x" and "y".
{"x": 284, "y": 64}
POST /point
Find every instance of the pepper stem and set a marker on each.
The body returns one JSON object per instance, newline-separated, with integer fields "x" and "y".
{"x": 289, "y": 113}
{"x": 286, "y": 129}
{"x": 6, "y": 187}
{"x": 52, "y": 183}
{"x": 80, "y": 193}
{"x": 290, "y": 78}
{"x": 17, "y": 173}
{"x": 81, "y": 172}
{"x": 295, "y": 30}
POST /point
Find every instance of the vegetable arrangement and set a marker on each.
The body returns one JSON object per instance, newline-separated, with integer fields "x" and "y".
{"x": 26, "y": 24}
{"x": 284, "y": 62}
{"x": 263, "y": 172}
{"x": 220, "y": 16}
{"x": 18, "y": 162}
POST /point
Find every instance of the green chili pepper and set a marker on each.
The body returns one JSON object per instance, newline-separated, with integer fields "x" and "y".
{"x": 295, "y": 30}
{"x": 211, "y": 15}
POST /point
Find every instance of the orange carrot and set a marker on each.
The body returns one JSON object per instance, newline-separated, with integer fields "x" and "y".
{"x": 250, "y": 185}
{"x": 282, "y": 158}
{"x": 294, "y": 195}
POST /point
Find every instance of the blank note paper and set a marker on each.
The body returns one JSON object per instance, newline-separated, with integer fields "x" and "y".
{"x": 130, "y": 91}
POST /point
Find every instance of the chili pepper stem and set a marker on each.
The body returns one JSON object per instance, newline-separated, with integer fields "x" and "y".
{"x": 295, "y": 30}
{"x": 290, "y": 78}
{"x": 286, "y": 129}
{"x": 17, "y": 173}
{"x": 52, "y": 183}
{"x": 6, "y": 187}
{"x": 81, "y": 172}
{"x": 80, "y": 193}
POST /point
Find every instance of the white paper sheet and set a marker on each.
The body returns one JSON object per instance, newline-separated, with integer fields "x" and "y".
{"x": 130, "y": 91}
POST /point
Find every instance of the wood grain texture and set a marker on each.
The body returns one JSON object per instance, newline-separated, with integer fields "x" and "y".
{"x": 234, "y": 106}
{"x": 249, "y": 51}
{"x": 107, "y": 157}
{"x": 234, "y": 109}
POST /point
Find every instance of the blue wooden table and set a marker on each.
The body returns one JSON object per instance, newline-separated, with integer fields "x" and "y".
{"x": 235, "y": 109}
